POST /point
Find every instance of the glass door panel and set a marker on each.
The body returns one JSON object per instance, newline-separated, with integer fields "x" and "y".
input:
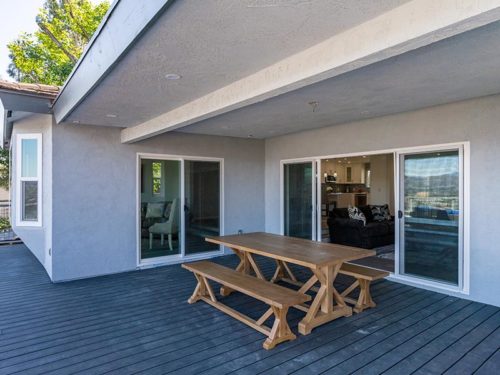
{"x": 298, "y": 200}
{"x": 160, "y": 208}
{"x": 430, "y": 224}
{"x": 202, "y": 206}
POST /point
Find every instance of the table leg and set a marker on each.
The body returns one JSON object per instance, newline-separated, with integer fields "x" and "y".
{"x": 247, "y": 265}
{"x": 328, "y": 304}
{"x": 224, "y": 290}
{"x": 283, "y": 272}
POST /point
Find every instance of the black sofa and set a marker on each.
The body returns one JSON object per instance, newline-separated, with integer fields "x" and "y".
{"x": 346, "y": 231}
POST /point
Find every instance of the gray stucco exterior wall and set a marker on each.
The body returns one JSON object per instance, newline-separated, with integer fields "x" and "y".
{"x": 90, "y": 182}
{"x": 475, "y": 120}
{"x": 95, "y": 190}
{"x": 38, "y": 239}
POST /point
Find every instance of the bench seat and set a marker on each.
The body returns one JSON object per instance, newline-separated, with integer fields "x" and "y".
{"x": 364, "y": 276}
{"x": 279, "y": 298}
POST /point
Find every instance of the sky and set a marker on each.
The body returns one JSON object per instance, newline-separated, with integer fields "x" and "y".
{"x": 17, "y": 16}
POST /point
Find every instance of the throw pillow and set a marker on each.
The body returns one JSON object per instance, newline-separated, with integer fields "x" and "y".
{"x": 381, "y": 213}
{"x": 367, "y": 211}
{"x": 356, "y": 214}
{"x": 154, "y": 210}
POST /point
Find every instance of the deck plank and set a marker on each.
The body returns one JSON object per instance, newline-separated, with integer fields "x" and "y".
{"x": 140, "y": 322}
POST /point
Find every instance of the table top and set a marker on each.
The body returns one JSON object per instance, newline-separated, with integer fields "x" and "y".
{"x": 299, "y": 251}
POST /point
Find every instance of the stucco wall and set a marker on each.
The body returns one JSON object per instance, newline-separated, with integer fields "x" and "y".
{"x": 94, "y": 212}
{"x": 38, "y": 239}
{"x": 476, "y": 121}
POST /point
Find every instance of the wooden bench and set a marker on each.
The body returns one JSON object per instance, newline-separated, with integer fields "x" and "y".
{"x": 279, "y": 299}
{"x": 364, "y": 276}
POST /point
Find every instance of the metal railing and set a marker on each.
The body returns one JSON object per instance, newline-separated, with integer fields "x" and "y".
{"x": 5, "y": 210}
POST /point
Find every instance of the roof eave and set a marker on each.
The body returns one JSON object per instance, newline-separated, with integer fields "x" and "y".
{"x": 108, "y": 46}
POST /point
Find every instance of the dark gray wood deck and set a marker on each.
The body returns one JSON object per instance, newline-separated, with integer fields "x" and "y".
{"x": 139, "y": 322}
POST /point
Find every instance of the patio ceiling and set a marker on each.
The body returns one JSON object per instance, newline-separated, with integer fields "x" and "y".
{"x": 433, "y": 75}
{"x": 252, "y": 64}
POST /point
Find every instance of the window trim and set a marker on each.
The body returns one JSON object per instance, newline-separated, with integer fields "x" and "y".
{"x": 19, "y": 180}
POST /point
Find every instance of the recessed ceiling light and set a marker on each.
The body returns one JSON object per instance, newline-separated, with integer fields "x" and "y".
{"x": 314, "y": 104}
{"x": 111, "y": 115}
{"x": 172, "y": 76}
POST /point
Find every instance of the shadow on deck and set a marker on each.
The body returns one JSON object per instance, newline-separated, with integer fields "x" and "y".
{"x": 139, "y": 322}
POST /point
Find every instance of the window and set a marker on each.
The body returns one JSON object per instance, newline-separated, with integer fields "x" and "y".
{"x": 28, "y": 180}
{"x": 156, "y": 166}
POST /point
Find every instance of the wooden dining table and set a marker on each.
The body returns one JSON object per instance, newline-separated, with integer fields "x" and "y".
{"x": 323, "y": 259}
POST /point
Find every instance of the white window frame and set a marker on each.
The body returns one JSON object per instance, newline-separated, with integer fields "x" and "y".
{"x": 20, "y": 179}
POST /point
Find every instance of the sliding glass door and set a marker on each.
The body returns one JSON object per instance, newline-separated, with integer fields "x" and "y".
{"x": 180, "y": 205}
{"x": 160, "y": 208}
{"x": 431, "y": 212}
{"x": 299, "y": 200}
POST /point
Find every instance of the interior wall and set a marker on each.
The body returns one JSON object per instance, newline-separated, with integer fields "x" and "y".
{"x": 95, "y": 213}
{"x": 37, "y": 239}
{"x": 382, "y": 180}
{"x": 475, "y": 121}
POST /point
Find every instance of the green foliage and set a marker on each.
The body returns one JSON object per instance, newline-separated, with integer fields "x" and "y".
{"x": 4, "y": 168}
{"x": 49, "y": 54}
{"x": 156, "y": 177}
{"x": 4, "y": 223}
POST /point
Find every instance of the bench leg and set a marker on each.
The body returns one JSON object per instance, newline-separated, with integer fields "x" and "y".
{"x": 203, "y": 289}
{"x": 280, "y": 331}
{"x": 365, "y": 300}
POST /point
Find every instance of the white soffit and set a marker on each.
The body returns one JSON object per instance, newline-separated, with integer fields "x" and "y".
{"x": 211, "y": 44}
{"x": 235, "y": 54}
{"x": 455, "y": 69}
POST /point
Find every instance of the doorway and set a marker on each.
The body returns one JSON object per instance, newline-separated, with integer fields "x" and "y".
{"x": 179, "y": 204}
{"x": 366, "y": 183}
{"x": 426, "y": 194}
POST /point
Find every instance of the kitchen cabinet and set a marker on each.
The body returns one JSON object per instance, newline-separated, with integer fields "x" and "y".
{"x": 332, "y": 167}
{"x": 355, "y": 173}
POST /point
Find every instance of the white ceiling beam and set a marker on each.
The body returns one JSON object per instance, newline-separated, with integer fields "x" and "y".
{"x": 413, "y": 25}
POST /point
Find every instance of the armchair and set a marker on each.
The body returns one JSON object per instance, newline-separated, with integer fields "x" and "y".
{"x": 168, "y": 227}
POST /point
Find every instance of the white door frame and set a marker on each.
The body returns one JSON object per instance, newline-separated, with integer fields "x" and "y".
{"x": 176, "y": 258}
{"x": 463, "y": 149}
{"x": 465, "y": 224}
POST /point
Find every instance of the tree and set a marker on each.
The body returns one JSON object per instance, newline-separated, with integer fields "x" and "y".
{"x": 4, "y": 168}
{"x": 50, "y": 53}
